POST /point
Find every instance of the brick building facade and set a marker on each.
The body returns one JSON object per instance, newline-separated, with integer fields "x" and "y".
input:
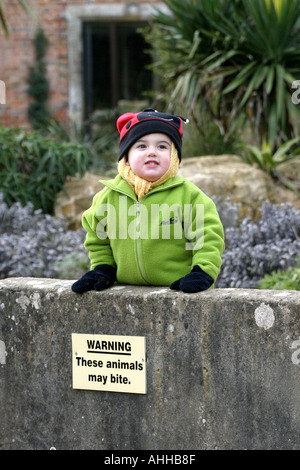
{"x": 62, "y": 22}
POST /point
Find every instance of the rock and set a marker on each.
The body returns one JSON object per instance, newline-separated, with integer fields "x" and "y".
{"x": 282, "y": 195}
{"x": 77, "y": 197}
{"x": 229, "y": 176}
{"x": 291, "y": 170}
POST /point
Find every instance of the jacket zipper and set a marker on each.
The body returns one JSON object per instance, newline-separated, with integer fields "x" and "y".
{"x": 138, "y": 243}
{"x": 137, "y": 240}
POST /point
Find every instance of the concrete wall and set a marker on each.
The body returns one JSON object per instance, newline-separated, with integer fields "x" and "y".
{"x": 223, "y": 368}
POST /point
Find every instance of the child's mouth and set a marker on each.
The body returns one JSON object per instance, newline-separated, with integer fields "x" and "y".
{"x": 151, "y": 163}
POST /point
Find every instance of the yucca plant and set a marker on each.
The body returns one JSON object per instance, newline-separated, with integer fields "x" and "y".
{"x": 267, "y": 160}
{"x": 270, "y": 161}
{"x": 236, "y": 59}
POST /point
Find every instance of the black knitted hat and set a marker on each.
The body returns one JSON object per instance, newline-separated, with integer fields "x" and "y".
{"x": 132, "y": 126}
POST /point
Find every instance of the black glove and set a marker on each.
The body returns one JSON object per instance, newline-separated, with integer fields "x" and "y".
{"x": 197, "y": 280}
{"x": 100, "y": 278}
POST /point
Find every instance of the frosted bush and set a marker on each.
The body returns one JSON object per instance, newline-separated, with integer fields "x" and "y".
{"x": 256, "y": 248}
{"x": 32, "y": 243}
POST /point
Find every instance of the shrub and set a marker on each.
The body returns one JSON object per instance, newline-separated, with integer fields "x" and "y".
{"x": 282, "y": 280}
{"x": 38, "y": 88}
{"x": 33, "y": 243}
{"x": 256, "y": 248}
{"x": 34, "y": 168}
{"x": 228, "y": 211}
{"x": 102, "y": 142}
{"x": 270, "y": 162}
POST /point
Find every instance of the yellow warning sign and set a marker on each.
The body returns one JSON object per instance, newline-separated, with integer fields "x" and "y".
{"x": 109, "y": 363}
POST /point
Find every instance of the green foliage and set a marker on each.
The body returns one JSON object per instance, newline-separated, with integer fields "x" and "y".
{"x": 205, "y": 139}
{"x": 34, "y": 168}
{"x": 269, "y": 161}
{"x": 236, "y": 59}
{"x": 38, "y": 88}
{"x": 100, "y": 145}
{"x": 282, "y": 280}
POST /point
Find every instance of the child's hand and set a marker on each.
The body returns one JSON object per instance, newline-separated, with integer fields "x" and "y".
{"x": 102, "y": 277}
{"x": 196, "y": 281}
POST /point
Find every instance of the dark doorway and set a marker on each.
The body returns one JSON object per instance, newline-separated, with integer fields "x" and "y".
{"x": 115, "y": 64}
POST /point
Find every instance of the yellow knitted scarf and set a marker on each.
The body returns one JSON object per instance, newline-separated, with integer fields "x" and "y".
{"x": 141, "y": 186}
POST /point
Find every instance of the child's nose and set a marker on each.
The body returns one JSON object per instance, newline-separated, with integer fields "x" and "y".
{"x": 152, "y": 150}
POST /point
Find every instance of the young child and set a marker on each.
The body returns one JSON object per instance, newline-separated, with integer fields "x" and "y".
{"x": 149, "y": 226}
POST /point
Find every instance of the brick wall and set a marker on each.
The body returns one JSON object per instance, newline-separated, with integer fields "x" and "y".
{"x": 17, "y": 54}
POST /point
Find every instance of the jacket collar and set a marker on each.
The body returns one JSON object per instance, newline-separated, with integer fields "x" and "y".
{"x": 120, "y": 185}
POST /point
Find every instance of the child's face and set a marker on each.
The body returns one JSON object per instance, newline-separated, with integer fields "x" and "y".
{"x": 149, "y": 157}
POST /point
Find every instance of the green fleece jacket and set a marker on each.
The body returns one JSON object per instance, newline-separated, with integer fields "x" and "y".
{"x": 157, "y": 240}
